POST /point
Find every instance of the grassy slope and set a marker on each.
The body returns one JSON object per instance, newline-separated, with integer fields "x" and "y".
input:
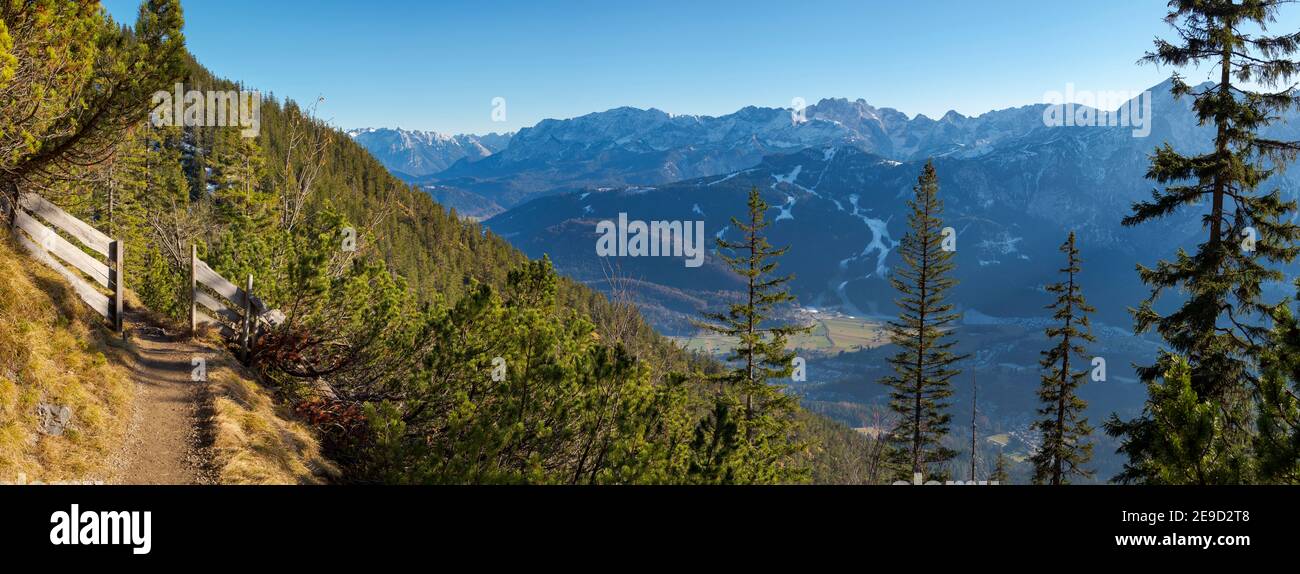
{"x": 54, "y": 350}
{"x": 257, "y": 442}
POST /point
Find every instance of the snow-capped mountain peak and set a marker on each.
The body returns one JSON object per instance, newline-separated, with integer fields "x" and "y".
{"x": 416, "y": 153}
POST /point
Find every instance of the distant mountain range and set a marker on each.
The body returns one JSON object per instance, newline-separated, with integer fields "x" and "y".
{"x": 1013, "y": 188}
{"x": 837, "y": 183}
{"x": 414, "y": 154}
{"x": 630, "y": 146}
{"x": 837, "y": 179}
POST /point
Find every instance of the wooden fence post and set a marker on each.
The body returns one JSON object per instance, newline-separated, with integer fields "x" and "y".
{"x": 11, "y": 198}
{"x": 117, "y": 268}
{"x": 194, "y": 290}
{"x": 248, "y": 322}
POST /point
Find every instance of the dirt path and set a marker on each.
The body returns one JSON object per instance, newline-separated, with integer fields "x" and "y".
{"x": 165, "y": 443}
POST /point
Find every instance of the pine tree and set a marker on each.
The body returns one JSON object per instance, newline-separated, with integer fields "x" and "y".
{"x": 765, "y": 424}
{"x": 72, "y": 82}
{"x": 1278, "y": 442}
{"x": 1065, "y": 430}
{"x": 920, "y": 386}
{"x": 1186, "y": 447}
{"x": 237, "y": 169}
{"x": 144, "y": 191}
{"x": 1001, "y": 470}
{"x": 1217, "y": 328}
{"x": 974, "y": 429}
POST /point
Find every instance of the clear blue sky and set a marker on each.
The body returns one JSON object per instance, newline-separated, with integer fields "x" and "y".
{"x": 437, "y": 65}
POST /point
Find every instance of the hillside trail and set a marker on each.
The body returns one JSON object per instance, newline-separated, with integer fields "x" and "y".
{"x": 167, "y": 441}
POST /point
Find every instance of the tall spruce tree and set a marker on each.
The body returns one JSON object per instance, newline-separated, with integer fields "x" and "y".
{"x": 1064, "y": 428}
{"x": 1218, "y": 328}
{"x": 923, "y": 368}
{"x": 1001, "y": 470}
{"x": 765, "y": 426}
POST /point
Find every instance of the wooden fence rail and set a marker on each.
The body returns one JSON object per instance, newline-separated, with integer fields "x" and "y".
{"x": 238, "y": 313}
{"x": 51, "y": 248}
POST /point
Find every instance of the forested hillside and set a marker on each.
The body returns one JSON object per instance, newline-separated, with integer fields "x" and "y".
{"x": 423, "y": 348}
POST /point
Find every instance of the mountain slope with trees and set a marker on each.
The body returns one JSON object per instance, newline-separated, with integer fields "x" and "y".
{"x": 421, "y": 347}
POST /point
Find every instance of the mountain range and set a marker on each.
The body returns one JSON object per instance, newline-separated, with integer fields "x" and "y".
{"x": 412, "y": 154}
{"x": 838, "y": 173}
{"x": 480, "y": 175}
{"x": 837, "y": 178}
{"x": 838, "y": 183}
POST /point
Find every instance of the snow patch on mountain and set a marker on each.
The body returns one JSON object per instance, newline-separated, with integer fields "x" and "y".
{"x": 1003, "y": 244}
{"x": 786, "y": 210}
{"x": 727, "y": 178}
{"x": 788, "y": 178}
{"x": 881, "y": 243}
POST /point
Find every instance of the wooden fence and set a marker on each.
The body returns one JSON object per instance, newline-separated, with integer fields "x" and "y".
{"x": 103, "y": 265}
{"x": 238, "y": 313}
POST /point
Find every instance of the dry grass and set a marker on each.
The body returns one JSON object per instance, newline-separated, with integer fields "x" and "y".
{"x": 256, "y": 442}
{"x": 54, "y": 349}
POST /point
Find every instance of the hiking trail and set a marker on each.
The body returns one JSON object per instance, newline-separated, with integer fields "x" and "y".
{"x": 167, "y": 441}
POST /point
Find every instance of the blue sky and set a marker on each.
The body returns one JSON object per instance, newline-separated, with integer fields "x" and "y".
{"x": 437, "y": 65}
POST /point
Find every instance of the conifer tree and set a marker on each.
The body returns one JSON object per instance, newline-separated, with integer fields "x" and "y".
{"x": 144, "y": 191}
{"x": 237, "y": 169}
{"x": 974, "y": 428}
{"x": 765, "y": 425}
{"x": 1064, "y": 429}
{"x": 1217, "y": 329}
{"x": 72, "y": 82}
{"x": 1186, "y": 446}
{"x": 923, "y": 368}
{"x": 1001, "y": 470}
{"x": 1278, "y": 442}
